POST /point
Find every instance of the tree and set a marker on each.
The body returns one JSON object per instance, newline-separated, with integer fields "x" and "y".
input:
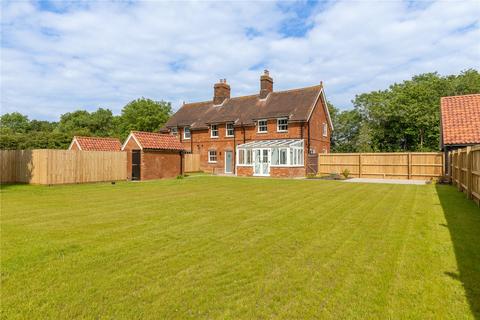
{"x": 406, "y": 117}
{"x": 15, "y": 121}
{"x": 145, "y": 115}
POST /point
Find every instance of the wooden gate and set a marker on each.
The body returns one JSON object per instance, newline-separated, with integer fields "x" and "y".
{"x": 312, "y": 163}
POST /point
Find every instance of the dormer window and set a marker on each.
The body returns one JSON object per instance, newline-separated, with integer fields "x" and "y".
{"x": 174, "y": 131}
{"x": 230, "y": 130}
{"x": 262, "y": 126}
{"x": 186, "y": 133}
{"x": 214, "y": 131}
{"x": 282, "y": 125}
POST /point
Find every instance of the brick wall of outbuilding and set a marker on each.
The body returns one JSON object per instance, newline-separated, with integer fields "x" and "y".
{"x": 160, "y": 164}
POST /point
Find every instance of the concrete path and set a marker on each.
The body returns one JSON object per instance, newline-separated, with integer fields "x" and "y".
{"x": 388, "y": 181}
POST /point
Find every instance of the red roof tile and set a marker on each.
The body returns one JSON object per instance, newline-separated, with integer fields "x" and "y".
{"x": 460, "y": 119}
{"x": 98, "y": 143}
{"x": 158, "y": 141}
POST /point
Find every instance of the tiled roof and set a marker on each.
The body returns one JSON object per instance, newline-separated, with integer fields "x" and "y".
{"x": 460, "y": 119}
{"x": 98, "y": 143}
{"x": 295, "y": 104}
{"x": 157, "y": 141}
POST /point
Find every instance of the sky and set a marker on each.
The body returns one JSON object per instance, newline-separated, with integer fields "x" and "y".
{"x": 61, "y": 56}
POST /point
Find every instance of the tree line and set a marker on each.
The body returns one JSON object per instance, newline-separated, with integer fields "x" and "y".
{"x": 18, "y": 132}
{"x": 404, "y": 117}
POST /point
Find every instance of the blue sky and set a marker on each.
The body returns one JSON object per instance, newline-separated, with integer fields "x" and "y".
{"x": 59, "y": 56}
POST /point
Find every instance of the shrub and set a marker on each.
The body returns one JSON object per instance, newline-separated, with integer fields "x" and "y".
{"x": 345, "y": 173}
{"x": 180, "y": 176}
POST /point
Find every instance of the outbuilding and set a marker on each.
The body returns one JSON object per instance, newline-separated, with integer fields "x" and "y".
{"x": 153, "y": 155}
{"x": 460, "y": 125}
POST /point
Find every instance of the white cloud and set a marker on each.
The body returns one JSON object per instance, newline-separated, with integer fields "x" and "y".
{"x": 104, "y": 54}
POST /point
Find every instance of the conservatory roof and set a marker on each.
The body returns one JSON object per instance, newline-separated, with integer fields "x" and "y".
{"x": 272, "y": 143}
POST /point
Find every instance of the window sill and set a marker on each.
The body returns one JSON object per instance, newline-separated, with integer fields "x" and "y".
{"x": 213, "y": 162}
{"x": 282, "y": 131}
{"x": 187, "y": 138}
{"x": 244, "y": 165}
{"x": 262, "y": 131}
{"x": 229, "y": 136}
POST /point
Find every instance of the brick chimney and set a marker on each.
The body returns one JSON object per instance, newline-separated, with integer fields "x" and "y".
{"x": 221, "y": 91}
{"x": 266, "y": 84}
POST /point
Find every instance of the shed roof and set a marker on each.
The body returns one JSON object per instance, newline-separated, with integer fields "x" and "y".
{"x": 155, "y": 141}
{"x": 460, "y": 119}
{"x": 96, "y": 143}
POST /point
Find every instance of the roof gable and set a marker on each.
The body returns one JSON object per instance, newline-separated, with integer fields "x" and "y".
{"x": 460, "y": 119}
{"x": 296, "y": 104}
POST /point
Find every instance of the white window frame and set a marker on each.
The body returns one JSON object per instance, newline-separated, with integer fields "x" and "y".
{"x": 174, "y": 131}
{"x": 226, "y": 130}
{"x": 212, "y": 130}
{"x": 278, "y": 125}
{"x": 266, "y": 126}
{"x": 210, "y": 156}
{"x": 325, "y": 130}
{"x": 246, "y": 154}
{"x": 189, "y": 133}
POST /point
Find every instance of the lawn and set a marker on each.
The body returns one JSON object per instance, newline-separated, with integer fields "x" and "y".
{"x": 239, "y": 248}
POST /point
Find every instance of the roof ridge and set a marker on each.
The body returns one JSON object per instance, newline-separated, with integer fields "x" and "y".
{"x": 461, "y": 95}
{"x": 256, "y": 95}
{"x": 105, "y": 138}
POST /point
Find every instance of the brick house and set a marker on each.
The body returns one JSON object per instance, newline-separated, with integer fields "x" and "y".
{"x": 95, "y": 144}
{"x": 153, "y": 156}
{"x": 460, "y": 125}
{"x": 265, "y": 134}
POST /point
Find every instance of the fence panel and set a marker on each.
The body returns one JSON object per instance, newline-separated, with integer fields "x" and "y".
{"x": 192, "y": 162}
{"x": 465, "y": 171}
{"x": 62, "y": 166}
{"x": 395, "y": 165}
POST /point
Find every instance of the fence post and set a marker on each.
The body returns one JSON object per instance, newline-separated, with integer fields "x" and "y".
{"x": 409, "y": 157}
{"x": 360, "y": 165}
{"x": 468, "y": 183}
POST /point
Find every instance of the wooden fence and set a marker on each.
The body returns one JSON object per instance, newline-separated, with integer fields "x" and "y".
{"x": 395, "y": 165}
{"x": 192, "y": 162}
{"x": 465, "y": 171}
{"x": 61, "y": 166}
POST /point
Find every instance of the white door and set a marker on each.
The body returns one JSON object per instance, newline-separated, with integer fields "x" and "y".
{"x": 261, "y": 165}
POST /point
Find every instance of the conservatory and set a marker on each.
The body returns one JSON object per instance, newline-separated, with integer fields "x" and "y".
{"x": 261, "y": 155}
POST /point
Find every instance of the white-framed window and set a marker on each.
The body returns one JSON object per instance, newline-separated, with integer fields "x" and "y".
{"x": 174, "y": 131}
{"x": 244, "y": 157}
{"x": 325, "y": 130}
{"x": 262, "y": 126}
{"x": 214, "y": 131}
{"x": 230, "y": 130}
{"x": 186, "y": 133}
{"x": 282, "y": 125}
{"x": 212, "y": 156}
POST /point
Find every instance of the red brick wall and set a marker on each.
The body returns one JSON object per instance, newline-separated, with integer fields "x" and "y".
{"x": 244, "y": 171}
{"x": 74, "y": 147}
{"x": 160, "y": 164}
{"x": 317, "y": 141}
{"x": 287, "y": 172}
{"x": 131, "y": 145}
